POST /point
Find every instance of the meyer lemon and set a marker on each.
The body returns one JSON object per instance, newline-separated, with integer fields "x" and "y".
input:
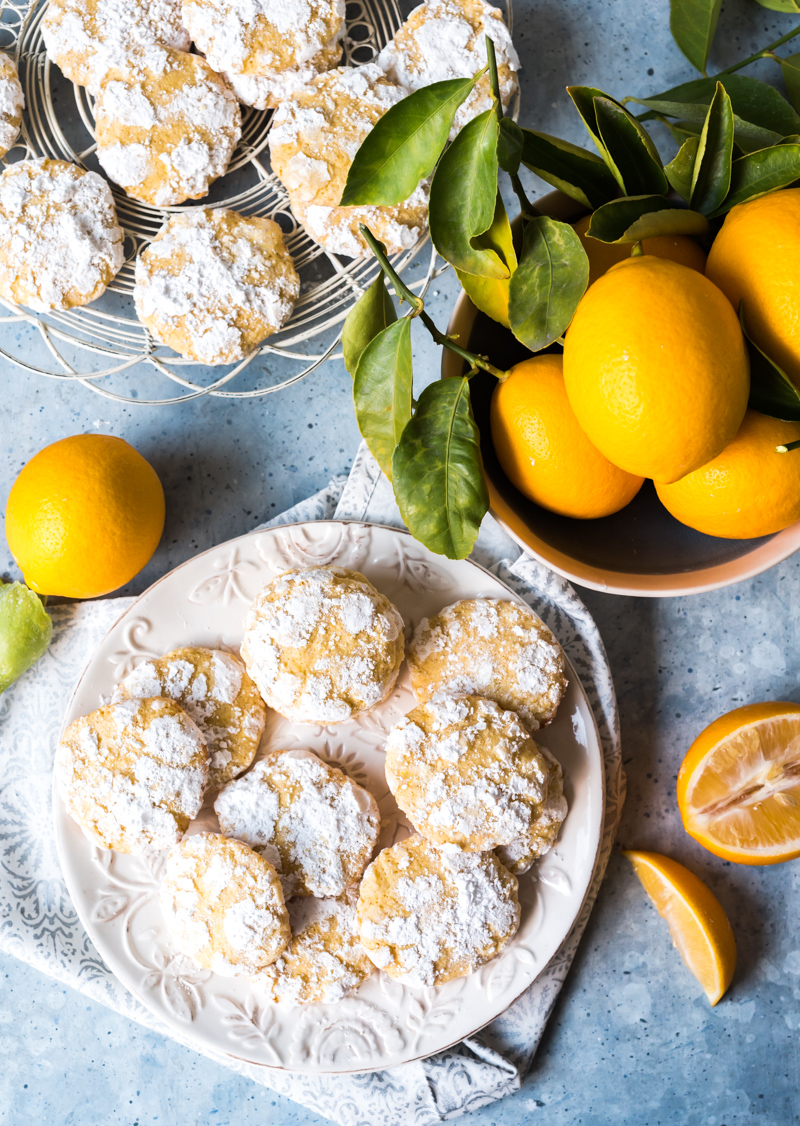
{"x": 656, "y": 368}
{"x": 697, "y": 922}
{"x": 748, "y": 490}
{"x": 739, "y": 785}
{"x": 84, "y": 516}
{"x": 603, "y": 255}
{"x": 544, "y": 452}
{"x": 755, "y": 259}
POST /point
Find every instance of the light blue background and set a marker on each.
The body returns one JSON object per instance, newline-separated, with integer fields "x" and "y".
{"x": 632, "y": 1038}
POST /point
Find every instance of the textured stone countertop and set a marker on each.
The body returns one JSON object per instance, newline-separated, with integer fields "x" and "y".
{"x": 632, "y": 1038}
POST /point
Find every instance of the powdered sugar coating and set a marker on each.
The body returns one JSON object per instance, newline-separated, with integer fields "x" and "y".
{"x": 466, "y": 772}
{"x": 428, "y": 913}
{"x": 88, "y": 39}
{"x": 213, "y": 284}
{"x": 543, "y": 833}
{"x": 267, "y": 49}
{"x": 309, "y": 819}
{"x": 223, "y": 905}
{"x": 165, "y": 135}
{"x": 325, "y": 959}
{"x": 493, "y": 648}
{"x": 313, "y": 140}
{"x": 133, "y": 774}
{"x": 445, "y": 39}
{"x": 12, "y": 103}
{"x": 213, "y": 687}
{"x": 60, "y": 243}
{"x": 322, "y": 644}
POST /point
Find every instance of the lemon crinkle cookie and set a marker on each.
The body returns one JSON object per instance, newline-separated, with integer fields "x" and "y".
{"x": 223, "y": 905}
{"x": 12, "y": 103}
{"x": 494, "y": 648}
{"x": 60, "y": 243}
{"x": 213, "y": 284}
{"x": 325, "y": 959}
{"x": 267, "y": 50}
{"x": 543, "y": 831}
{"x": 310, "y": 820}
{"x": 428, "y": 913}
{"x": 87, "y": 39}
{"x": 133, "y": 774}
{"x": 313, "y": 140}
{"x": 444, "y": 39}
{"x": 466, "y": 772}
{"x": 213, "y": 687}
{"x": 322, "y": 644}
{"x": 165, "y": 135}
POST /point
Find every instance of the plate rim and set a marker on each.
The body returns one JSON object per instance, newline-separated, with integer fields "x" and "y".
{"x": 58, "y": 805}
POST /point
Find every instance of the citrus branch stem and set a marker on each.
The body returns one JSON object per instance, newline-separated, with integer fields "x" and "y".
{"x": 762, "y": 54}
{"x": 789, "y": 446}
{"x": 448, "y": 342}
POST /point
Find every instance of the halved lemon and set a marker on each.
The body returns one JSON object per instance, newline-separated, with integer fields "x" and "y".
{"x": 697, "y": 922}
{"x": 739, "y": 785}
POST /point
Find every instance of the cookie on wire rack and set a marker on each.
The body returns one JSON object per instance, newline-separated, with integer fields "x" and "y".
{"x": 314, "y": 137}
{"x": 60, "y": 242}
{"x": 12, "y": 103}
{"x": 267, "y": 51}
{"x": 213, "y": 284}
{"x": 165, "y": 135}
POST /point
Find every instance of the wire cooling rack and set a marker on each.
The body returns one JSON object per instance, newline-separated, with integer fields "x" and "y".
{"x": 103, "y": 345}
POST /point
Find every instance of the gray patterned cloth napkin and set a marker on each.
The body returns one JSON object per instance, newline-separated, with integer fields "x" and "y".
{"x": 38, "y": 922}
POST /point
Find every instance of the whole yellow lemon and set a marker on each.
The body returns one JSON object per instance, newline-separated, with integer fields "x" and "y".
{"x": 656, "y": 368}
{"x": 544, "y": 452}
{"x": 84, "y": 516}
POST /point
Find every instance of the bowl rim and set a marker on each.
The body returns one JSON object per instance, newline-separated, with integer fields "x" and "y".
{"x": 671, "y": 585}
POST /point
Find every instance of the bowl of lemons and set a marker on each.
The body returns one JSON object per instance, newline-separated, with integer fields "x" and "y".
{"x": 627, "y": 456}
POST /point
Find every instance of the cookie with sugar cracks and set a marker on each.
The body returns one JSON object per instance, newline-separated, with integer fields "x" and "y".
{"x": 543, "y": 832}
{"x": 12, "y": 103}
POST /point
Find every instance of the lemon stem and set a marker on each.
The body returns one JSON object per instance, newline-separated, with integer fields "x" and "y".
{"x": 637, "y": 250}
{"x": 789, "y": 446}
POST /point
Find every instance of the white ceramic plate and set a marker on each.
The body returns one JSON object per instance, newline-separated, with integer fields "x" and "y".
{"x": 382, "y": 1024}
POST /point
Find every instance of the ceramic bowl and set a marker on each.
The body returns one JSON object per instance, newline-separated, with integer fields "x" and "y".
{"x": 641, "y": 550}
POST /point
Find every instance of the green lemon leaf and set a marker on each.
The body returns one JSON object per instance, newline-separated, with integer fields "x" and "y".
{"x": 510, "y": 143}
{"x": 583, "y": 98}
{"x": 680, "y": 169}
{"x": 403, "y": 146}
{"x": 711, "y": 178}
{"x": 548, "y": 283}
{"x": 25, "y": 631}
{"x": 640, "y": 217}
{"x": 757, "y": 173}
{"x": 382, "y": 391}
{"x": 437, "y": 471}
{"x": 463, "y": 197}
{"x": 790, "y": 68}
{"x": 636, "y": 165}
{"x": 693, "y": 23}
{"x": 771, "y": 390}
{"x": 577, "y": 173}
{"x": 692, "y": 118}
{"x": 490, "y": 295}
{"x": 780, "y": 5}
{"x": 373, "y": 312}
{"x": 754, "y": 102}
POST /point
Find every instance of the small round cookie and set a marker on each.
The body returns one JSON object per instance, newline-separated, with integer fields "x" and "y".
{"x": 213, "y": 688}
{"x": 428, "y": 913}
{"x": 543, "y": 833}
{"x": 12, "y": 103}
{"x": 223, "y": 904}
{"x": 316, "y": 826}
{"x": 60, "y": 243}
{"x": 267, "y": 51}
{"x": 213, "y": 284}
{"x": 325, "y": 959}
{"x": 466, "y": 772}
{"x": 133, "y": 774}
{"x": 165, "y": 135}
{"x": 313, "y": 140}
{"x": 490, "y": 647}
{"x": 87, "y": 39}
{"x": 322, "y": 644}
{"x": 445, "y": 39}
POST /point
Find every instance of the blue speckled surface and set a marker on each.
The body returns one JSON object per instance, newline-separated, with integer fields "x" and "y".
{"x": 632, "y": 1038}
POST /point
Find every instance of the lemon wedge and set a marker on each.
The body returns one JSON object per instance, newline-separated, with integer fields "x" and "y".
{"x": 697, "y": 922}
{"x": 739, "y": 785}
